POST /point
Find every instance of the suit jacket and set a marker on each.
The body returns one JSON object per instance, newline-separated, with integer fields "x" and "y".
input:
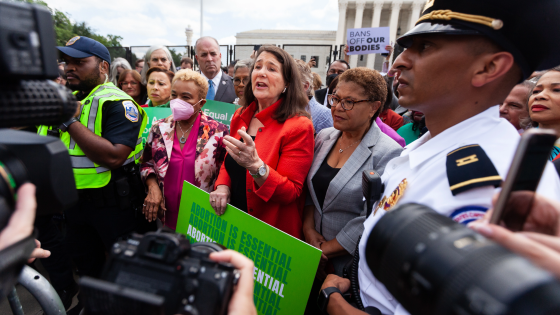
{"x": 226, "y": 92}
{"x": 344, "y": 210}
{"x": 287, "y": 149}
{"x": 320, "y": 95}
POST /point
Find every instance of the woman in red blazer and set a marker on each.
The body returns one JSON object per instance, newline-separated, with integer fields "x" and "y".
{"x": 270, "y": 148}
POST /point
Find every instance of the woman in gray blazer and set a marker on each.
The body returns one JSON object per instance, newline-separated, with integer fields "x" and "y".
{"x": 335, "y": 209}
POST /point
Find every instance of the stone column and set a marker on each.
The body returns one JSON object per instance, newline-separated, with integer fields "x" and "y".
{"x": 394, "y": 22}
{"x": 360, "y": 5}
{"x": 342, "y": 5}
{"x": 377, "y": 7}
{"x": 416, "y": 9}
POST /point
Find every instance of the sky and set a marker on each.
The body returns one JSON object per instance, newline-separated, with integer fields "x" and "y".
{"x": 149, "y": 22}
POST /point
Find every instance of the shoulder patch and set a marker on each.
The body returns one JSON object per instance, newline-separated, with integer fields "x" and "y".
{"x": 469, "y": 167}
{"x": 468, "y": 214}
{"x": 130, "y": 111}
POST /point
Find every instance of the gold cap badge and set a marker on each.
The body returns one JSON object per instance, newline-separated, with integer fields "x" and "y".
{"x": 72, "y": 40}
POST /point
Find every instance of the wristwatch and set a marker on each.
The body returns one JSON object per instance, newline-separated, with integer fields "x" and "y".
{"x": 323, "y": 299}
{"x": 64, "y": 126}
{"x": 261, "y": 171}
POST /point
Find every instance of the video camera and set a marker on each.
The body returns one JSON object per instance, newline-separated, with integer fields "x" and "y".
{"x": 160, "y": 273}
{"x": 27, "y": 98}
{"x": 433, "y": 265}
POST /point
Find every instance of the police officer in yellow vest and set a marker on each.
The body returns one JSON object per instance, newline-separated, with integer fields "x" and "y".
{"x": 105, "y": 143}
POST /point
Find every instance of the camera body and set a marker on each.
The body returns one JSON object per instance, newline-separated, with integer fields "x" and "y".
{"x": 161, "y": 273}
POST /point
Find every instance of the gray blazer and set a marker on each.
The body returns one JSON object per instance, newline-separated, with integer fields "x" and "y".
{"x": 344, "y": 209}
{"x": 226, "y": 92}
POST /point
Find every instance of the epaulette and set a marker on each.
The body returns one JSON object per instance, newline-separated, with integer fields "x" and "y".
{"x": 469, "y": 167}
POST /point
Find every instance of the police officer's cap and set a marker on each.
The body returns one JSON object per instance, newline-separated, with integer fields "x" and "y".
{"x": 526, "y": 29}
{"x": 83, "y": 47}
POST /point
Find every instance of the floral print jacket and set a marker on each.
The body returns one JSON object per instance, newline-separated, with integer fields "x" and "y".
{"x": 210, "y": 151}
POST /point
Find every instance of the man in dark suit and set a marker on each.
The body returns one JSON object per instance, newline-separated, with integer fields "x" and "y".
{"x": 220, "y": 85}
{"x": 337, "y": 67}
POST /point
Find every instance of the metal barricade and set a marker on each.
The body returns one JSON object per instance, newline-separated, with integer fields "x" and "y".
{"x": 40, "y": 289}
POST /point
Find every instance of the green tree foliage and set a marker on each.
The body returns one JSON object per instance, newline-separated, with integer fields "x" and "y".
{"x": 65, "y": 29}
{"x": 176, "y": 57}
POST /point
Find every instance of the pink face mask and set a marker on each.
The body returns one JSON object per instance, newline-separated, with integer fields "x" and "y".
{"x": 181, "y": 110}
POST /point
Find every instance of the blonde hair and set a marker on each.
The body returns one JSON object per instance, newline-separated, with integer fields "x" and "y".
{"x": 306, "y": 75}
{"x": 317, "y": 83}
{"x": 190, "y": 75}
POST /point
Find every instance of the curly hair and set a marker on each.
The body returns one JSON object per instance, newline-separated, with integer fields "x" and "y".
{"x": 371, "y": 81}
{"x": 190, "y": 75}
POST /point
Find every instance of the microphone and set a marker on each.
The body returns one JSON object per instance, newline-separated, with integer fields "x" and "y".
{"x": 35, "y": 102}
{"x": 372, "y": 188}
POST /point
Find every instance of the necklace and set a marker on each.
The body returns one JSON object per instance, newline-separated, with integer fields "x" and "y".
{"x": 342, "y": 150}
{"x": 183, "y": 140}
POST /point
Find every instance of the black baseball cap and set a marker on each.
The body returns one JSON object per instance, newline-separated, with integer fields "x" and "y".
{"x": 83, "y": 47}
{"x": 526, "y": 29}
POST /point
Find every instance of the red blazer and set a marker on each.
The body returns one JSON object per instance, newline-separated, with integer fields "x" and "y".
{"x": 392, "y": 119}
{"x": 287, "y": 149}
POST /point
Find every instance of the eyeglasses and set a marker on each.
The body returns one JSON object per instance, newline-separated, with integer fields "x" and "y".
{"x": 237, "y": 81}
{"x": 346, "y": 104}
{"x": 131, "y": 83}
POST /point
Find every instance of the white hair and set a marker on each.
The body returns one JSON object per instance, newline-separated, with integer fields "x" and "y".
{"x": 118, "y": 62}
{"x": 245, "y": 63}
{"x": 148, "y": 57}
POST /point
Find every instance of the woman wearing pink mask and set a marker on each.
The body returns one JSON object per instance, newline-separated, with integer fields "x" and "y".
{"x": 186, "y": 141}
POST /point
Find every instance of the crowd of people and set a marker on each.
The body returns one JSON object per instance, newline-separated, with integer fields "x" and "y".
{"x": 295, "y": 150}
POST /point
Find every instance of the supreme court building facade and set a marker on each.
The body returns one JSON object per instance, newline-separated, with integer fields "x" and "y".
{"x": 399, "y": 15}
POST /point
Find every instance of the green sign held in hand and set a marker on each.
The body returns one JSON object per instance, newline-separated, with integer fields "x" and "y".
{"x": 219, "y": 111}
{"x": 284, "y": 265}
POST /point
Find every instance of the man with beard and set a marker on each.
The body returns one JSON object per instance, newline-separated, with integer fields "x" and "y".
{"x": 461, "y": 60}
{"x": 105, "y": 143}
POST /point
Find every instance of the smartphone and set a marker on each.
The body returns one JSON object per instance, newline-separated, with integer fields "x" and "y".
{"x": 316, "y": 58}
{"x": 257, "y": 47}
{"x": 526, "y": 168}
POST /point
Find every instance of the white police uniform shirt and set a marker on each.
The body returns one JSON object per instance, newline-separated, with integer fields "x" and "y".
{"x": 423, "y": 165}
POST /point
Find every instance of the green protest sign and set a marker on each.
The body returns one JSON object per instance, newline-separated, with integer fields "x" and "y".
{"x": 219, "y": 111}
{"x": 284, "y": 265}
{"x": 154, "y": 114}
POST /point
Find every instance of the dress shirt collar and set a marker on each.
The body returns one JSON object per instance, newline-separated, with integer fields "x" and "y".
{"x": 326, "y": 101}
{"x": 216, "y": 80}
{"x": 264, "y": 116}
{"x": 427, "y": 147}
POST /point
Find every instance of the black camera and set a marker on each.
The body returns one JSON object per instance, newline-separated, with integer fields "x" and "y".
{"x": 160, "y": 273}
{"x": 29, "y": 98}
{"x": 433, "y": 265}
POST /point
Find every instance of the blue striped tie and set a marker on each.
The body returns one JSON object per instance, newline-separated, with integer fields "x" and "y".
{"x": 211, "y": 91}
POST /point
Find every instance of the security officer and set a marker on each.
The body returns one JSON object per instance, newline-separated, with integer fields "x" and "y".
{"x": 463, "y": 57}
{"x": 104, "y": 141}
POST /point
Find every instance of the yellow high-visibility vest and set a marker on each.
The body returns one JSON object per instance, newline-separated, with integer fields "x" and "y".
{"x": 87, "y": 173}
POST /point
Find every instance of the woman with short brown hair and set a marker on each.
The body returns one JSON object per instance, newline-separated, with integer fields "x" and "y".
{"x": 159, "y": 86}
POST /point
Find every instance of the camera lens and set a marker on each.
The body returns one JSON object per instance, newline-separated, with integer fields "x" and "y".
{"x": 433, "y": 265}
